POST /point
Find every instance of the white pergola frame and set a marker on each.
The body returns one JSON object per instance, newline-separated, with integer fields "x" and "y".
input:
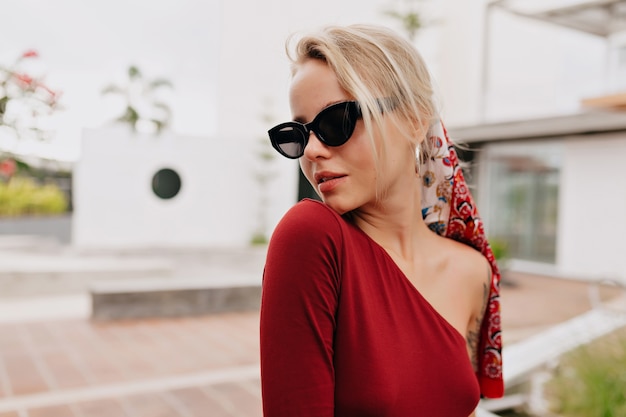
{"x": 601, "y": 18}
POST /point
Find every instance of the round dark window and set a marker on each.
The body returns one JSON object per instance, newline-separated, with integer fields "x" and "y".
{"x": 166, "y": 183}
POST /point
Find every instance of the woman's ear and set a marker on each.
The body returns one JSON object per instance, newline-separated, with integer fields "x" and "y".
{"x": 419, "y": 127}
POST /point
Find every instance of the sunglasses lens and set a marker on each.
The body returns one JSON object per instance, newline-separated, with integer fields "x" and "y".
{"x": 289, "y": 140}
{"x": 336, "y": 124}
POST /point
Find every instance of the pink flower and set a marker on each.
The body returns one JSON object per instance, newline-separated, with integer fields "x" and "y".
{"x": 24, "y": 80}
{"x": 53, "y": 96}
{"x": 8, "y": 168}
{"x": 31, "y": 53}
{"x": 48, "y": 90}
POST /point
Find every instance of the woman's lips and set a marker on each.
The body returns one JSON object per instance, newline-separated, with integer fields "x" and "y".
{"x": 327, "y": 184}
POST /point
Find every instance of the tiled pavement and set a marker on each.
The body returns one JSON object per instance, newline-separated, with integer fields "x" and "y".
{"x": 206, "y": 366}
{"x": 203, "y": 366}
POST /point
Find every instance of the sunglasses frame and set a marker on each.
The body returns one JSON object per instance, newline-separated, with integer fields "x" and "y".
{"x": 351, "y": 109}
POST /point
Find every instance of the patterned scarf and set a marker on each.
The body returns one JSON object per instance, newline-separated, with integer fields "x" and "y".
{"x": 449, "y": 210}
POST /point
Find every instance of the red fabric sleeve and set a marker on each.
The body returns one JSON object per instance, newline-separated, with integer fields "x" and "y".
{"x": 299, "y": 300}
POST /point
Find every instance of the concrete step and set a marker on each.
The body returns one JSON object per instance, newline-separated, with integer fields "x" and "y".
{"x": 45, "y": 308}
{"x": 23, "y": 274}
{"x": 150, "y": 298}
{"x": 146, "y": 282}
{"x": 31, "y": 243}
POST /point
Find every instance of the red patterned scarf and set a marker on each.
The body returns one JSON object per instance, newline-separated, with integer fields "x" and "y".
{"x": 448, "y": 208}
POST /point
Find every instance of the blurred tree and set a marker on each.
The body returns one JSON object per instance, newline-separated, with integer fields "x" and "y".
{"x": 409, "y": 13}
{"x": 24, "y": 99}
{"x": 144, "y": 109}
{"x": 26, "y": 104}
{"x": 263, "y": 174}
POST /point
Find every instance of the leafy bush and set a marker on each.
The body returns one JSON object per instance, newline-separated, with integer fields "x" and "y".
{"x": 22, "y": 196}
{"x": 499, "y": 248}
{"x": 591, "y": 381}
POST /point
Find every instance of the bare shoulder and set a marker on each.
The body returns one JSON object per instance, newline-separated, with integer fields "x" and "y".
{"x": 472, "y": 272}
{"x": 476, "y": 272}
{"x": 469, "y": 264}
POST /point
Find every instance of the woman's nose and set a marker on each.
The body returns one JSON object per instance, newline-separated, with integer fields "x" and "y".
{"x": 315, "y": 148}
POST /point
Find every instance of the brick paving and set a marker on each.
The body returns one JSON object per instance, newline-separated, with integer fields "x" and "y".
{"x": 187, "y": 367}
{"x": 531, "y": 304}
{"x": 202, "y": 366}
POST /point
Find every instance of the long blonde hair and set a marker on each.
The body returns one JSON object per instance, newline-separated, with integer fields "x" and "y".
{"x": 372, "y": 62}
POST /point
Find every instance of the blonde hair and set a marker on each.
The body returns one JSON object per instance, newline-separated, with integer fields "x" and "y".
{"x": 373, "y": 62}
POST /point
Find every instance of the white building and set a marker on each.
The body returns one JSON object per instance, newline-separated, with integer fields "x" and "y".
{"x": 550, "y": 184}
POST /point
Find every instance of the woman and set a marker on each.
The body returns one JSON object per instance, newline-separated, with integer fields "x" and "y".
{"x": 366, "y": 311}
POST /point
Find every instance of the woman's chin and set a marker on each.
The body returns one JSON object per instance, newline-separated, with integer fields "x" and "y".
{"x": 338, "y": 206}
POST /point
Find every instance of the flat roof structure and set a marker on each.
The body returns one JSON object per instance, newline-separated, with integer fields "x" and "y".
{"x": 599, "y": 17}
{"x": 581, "y": 123}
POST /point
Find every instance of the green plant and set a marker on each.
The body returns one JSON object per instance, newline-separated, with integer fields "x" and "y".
{"x": 259, "y": 239}
{"x": 142, "y": 103}
{"x": 22, "y": 196}
{"x": 410, "y": 21}
{"x": 591, "y": 381}
{"x": 499, "y": 249}
{"x": 410, "y": 16}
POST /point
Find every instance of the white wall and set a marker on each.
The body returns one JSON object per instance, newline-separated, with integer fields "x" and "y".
{"x": 459, "y": 61}
{"x": 533, "y": 68}
{"x": 617, "y": 63}
{"x": 592, "y": 204}
{"x": 115, "y": 205}
{"x": 538, "y": 69}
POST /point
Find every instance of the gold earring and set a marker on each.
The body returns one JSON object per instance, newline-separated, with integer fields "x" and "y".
{"x": 418, "y": 161}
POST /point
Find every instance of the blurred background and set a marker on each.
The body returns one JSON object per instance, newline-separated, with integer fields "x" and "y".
{"x": 215, "y": 76}
{"x": 138, "y": 188}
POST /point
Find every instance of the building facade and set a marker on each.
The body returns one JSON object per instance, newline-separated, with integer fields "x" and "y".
{"x": 551, "y": 189}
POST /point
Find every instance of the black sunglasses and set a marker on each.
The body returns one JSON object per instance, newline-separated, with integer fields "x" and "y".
{"x": 333, "y": 126}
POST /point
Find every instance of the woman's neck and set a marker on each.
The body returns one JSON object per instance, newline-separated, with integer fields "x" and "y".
{"x": 396, "y": 222}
